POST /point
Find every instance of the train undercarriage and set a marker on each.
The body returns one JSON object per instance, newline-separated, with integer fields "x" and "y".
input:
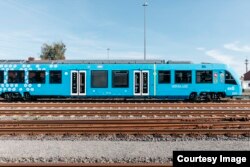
{"x": 206, "y": 96}
{"x": 193, "y": 97}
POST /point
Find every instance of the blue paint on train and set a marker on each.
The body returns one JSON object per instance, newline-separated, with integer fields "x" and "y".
{"x": 147, "y": 72}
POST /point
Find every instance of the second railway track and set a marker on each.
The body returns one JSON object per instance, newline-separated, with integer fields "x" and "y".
{"x": 150, "y": 126}
{"x": 179, "y": 118}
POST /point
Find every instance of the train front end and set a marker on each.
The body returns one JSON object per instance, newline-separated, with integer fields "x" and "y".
{"x": 232, "y": 83}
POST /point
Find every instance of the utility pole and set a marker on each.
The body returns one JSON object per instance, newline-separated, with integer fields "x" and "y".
{"x": 108, "y": 49}
{"x": 145, "y": 50}
{"x": 246, "y": 62}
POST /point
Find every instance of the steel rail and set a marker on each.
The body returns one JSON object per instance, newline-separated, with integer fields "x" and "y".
{"x": 124, "y": 127}
{"x": 132, "y": 126}
{"x": 138, "y": 131}
{"x": 146, "y": 105}
{"x": 135, "y": 128}
{"x": 120, "y": 121}
{"x": 126, "y": 112}
{"x": 155, "y": 126}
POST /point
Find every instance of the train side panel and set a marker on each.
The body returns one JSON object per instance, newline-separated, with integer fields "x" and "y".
{"x": 143, "y": 80}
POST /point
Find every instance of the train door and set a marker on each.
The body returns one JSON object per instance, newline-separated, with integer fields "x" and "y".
{"x": 78, "y": 83}
{"x": 141, "y": 83}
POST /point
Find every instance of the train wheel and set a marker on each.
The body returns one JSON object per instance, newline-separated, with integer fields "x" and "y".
{"x": 193, "y": 97}
{"x": 8, "y": 96}
{"x": 215, "y": 96}
{"x": 218, "y": 96}
{"x": 209, "y": 97}
{"x": 27, "y": 97}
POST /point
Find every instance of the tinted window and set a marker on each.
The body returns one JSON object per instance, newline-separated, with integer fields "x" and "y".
{"x": 15, "y": 76}
{"x": 99, "y": 79}
{"x": 164, "y": 77}
{"x": 36, "y": 76}
{"x": 55, "y": 77}
{"x": 119, "y": 79}
{"x": 229, "y": 79}
{"x": 183, "y": 77}
{"x": 1, "y": 76}
{"x": 204, "y": 77}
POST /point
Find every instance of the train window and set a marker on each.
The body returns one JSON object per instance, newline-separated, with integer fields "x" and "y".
{"x": 15, "y": 76}
{"x": 204, "y": 77}
{"x": 99, "y": 79}
{"x": 229, "y": 79}
{"x": 120, "y": 79}
{"x": 183, "y": 76}
{"x": 164, "y": 77}
{"x": 55, "y": 77}
{"x": 37, "y": 77}
{"x": 1, "y": 76}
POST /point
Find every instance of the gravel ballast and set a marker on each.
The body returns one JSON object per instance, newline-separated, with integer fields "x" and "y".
{"x": 105, "y": 151}
{"x": 126, "y": 137}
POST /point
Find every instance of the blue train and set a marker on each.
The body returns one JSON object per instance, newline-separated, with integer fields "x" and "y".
{"x": 116, "y": 79}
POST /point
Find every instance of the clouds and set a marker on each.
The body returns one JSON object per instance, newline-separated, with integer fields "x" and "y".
{"x": 201, "y": 48}
{"x": 215, "y": 55}
{"x": 223, "y": 58}
{"x": 19, "y": 44}
{"x": 23, "y": 44}
{"x": 89, "y": 27}
{"x": 26, "y": 25}
{"x": 233, "y": 54}
{"x": 235, "y": 46}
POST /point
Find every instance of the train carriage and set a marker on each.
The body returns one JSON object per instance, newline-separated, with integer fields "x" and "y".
{"x": 116, "y": 78}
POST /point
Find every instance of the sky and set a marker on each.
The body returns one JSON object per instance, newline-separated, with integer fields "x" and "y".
{"x": 214, "y": 31}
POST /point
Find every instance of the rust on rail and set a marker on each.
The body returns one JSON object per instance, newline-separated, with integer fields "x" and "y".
{"x": 133, "y": 126}
{"x": 58, "y": 111}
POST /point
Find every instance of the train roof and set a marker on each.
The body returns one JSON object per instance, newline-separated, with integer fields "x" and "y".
{"x": 151, "y": 61}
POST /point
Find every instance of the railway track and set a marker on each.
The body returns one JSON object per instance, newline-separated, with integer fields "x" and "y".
{"x": 179, "y": 118}
{"x": 124, "y": 112}
{"x": 84, "y": 165}
{"x": 241, "y": 99}
{"x": 136, "y": 126}
{"x": 130, "y": 105}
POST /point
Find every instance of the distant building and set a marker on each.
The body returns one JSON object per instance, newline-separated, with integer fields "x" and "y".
{"x": 246, "y": 81}
{"x": 31, "y": 59}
